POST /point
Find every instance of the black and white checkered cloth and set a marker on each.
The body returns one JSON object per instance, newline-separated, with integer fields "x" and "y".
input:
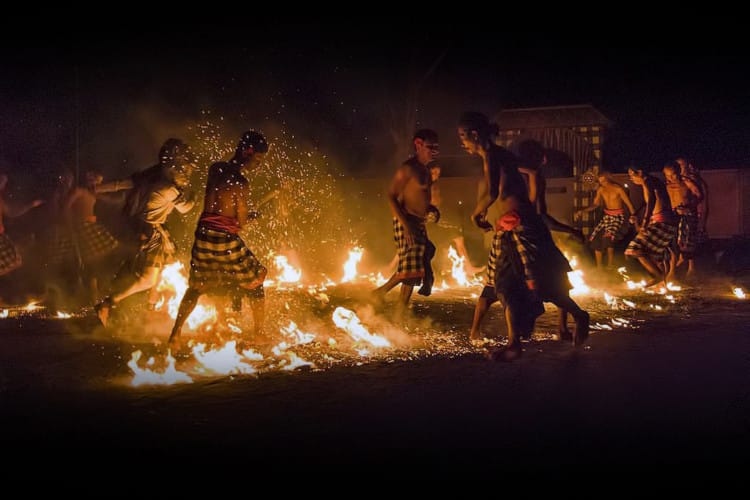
{"x": 222, "y": 260}
{"x": 10, "y": 259}
{"x": 411, "y": 259}
{"x": 611, "y": 227}
{"x": 652, "y": 240}
{"x": 688, "y": 234}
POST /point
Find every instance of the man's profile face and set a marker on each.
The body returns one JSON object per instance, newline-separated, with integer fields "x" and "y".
{"x": 671, "y": 175}
{"x": 468, "y": 140}
{"x": 635, "y": 176}
{"x": 254, "y": 161}
{"x": 426, "y": 150}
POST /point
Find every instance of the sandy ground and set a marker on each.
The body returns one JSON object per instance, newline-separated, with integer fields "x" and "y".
{"x": 669, "y": 387}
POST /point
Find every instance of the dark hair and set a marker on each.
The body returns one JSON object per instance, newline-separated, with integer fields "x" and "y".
{"x": 174, "y": 153}
{"x": 254, "y": 140}
{"x": 426, "y": 134}
{"x": 673, "y": 165}
{"x": 530, "y": 152}
{"x": 478, "y": 122}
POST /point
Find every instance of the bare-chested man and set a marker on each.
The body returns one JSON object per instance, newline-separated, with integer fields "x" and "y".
{"x": 90, "y": 241}
{"x": 410, "y": 200}
{"x": 220, "y": 259}
{"x": 524, "y": 265}
{"x": 658, "y": 227}
{"x": 533, "y": 158}
{"x": 688, "y": 170}
{"x": 10, "y": 258}
{"x": 153, "y": 195}
{"x": 613, "y": 227}
{"x": 685, "y": 196}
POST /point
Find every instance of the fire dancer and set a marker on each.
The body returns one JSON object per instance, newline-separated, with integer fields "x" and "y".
{"x": 87, "y": 241}
{"x": 658, "y": 227}
{"x": 613, "y": 227}
{"x": 685, "y": 196}
{"x": 220, "y": 259}
{"x": 153, "y": 194}
{"x": 410, "y": 199}
{"x": 688, "y": 170}
{"x": 534, "y": 158}
{"x": 10, "y": 258}
{"x": 524, "y": 265}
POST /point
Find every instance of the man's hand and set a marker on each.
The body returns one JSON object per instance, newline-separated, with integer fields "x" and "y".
{"x": 481, "y": 222}
{"x": 633, "y": 220}
{"x": 433, "y": 214}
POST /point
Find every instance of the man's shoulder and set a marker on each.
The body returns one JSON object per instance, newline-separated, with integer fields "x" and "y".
{"x": 410, "y": 163}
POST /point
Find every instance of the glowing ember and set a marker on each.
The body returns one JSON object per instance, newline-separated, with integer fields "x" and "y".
{"x": 287, "y": 273}
{"x": 224, "y": 360}
{"x": 145, "y": 376}
{"x": 63, "y": 315}
{"x": 4, "y": 313}
{"x": 673, "y": 288}
{"x": 349, "y": 322}
{"x": 739, "y": 293}
{"x": 350, "y": 266}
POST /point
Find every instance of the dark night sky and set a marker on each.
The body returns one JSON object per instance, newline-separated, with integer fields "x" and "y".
{"x": 339, "y": 90}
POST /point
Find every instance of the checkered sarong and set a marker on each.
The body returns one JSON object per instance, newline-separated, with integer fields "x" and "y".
{"x": 612, "y": 228}
{"x": 156, "y": 248}
{"x": 653, "y": 240}
{"x": 411, "y": 259}
{"x": 527, "y": 254}
{"x": 688, "y": 233}
{"x": 222, "y": 260}
{"x": 10, "y": 259}
{"x": 93, "y": 240}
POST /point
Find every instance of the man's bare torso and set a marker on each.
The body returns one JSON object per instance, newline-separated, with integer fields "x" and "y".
{"x": 415, "y": 197}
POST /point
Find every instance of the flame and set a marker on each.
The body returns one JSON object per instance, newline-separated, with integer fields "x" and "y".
{"x": 296, "y": 334}
{"x": 739, "y": 293}
{"x": 457, "y": 267}
{"x": 350, "y": 266}
{"x": 63, "y": 315}
{"x": 4, "y": 313}
{"x": 287, "y": 273}
{"x": 224, "y": 360}
{"x": 145, "y": 376}
{"x": 295, "y": 362}
{"x": 174, "y": 281}
{"x": 576, "y": 279}
{"x": 349, "y": 322}
{"x": 377, "y": 279}
{"x": 32, "y": 306}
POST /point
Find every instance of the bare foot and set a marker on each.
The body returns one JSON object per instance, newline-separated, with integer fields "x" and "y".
{"x": 377, "y": 298}
{"x": 505, "y": 354}
{"x": 565, "y": 335}
{"x": 174, "y": 344}
{"x": 102, "y": 310}
{"x": 652, "y": 282}
{"x": 582, "y": 329}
